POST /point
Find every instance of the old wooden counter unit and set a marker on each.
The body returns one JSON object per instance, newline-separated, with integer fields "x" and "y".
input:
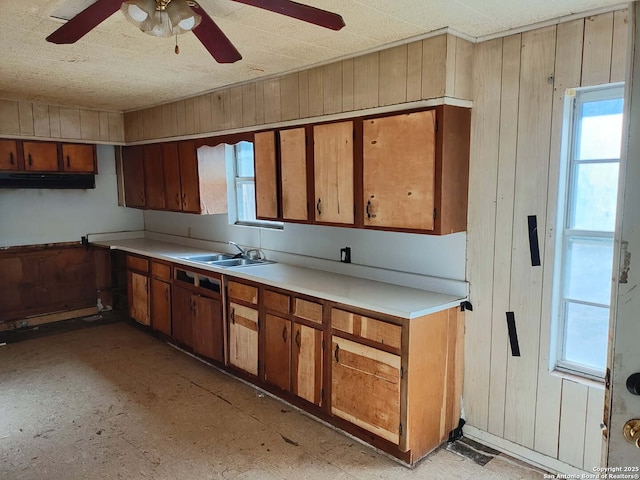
{"x": 382, "y": 362}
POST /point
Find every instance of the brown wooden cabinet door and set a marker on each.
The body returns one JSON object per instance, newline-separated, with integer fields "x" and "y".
{"x": 40, "y": 156}
{"x": 189, "y": 181}
{"x": 133, "y": 173}
{"x": 78, "y": 158}
{"x": 138, "y": 293}
{"x": 333, "y": 172}
{"x": 399, "y": 154}
{"x": 277, "y": 362}
{"x": 161, "y": 306}
{"x": 365, "y": 387}
{"x": 153, "y": 177}
{"x": 266, "y": 175}
{"x": 293, "y": 167}
{"x": 208, "y": 333}
{"x": 307, "y": 363}
{"x": 171, "y": 171}
{"x": 8, "y": 155}
{"x": 182, "y": 316}
{"x": 243, "y": 338}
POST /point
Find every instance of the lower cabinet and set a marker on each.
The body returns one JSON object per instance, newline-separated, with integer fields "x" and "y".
{"x": 160, "y": 297}
{"x": 197, "y": 321}
{"x": 138, "y": 289}
{"x": 307, "y": 361}
{"x": 243, "y": 338}
{"x": 365, "y": 387}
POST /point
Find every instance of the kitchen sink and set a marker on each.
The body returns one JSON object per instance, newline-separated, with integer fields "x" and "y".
{"x": 212, "y": 257}
{"x": 225, "y": 260}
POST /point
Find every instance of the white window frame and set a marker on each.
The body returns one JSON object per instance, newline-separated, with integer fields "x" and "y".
{"x": 573, "y": 99}
{"x": 233, "y": 180}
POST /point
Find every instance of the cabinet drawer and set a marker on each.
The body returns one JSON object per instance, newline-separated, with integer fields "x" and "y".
{"x": 308, "y": 310}
{"x": 278, "y": 302}
{"x": 137, "y": 263}
{"x": 365, "y": 327}
{"x": 161, "y": 270}
{"x": 240, "y": 291}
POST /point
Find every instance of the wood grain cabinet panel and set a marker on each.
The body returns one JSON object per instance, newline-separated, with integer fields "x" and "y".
{"x": 138, "y": 293}
{"x": 293, "y": 168}
{"x": 8, "y": 155}
{"x": 208, "y": 332}
{"x": 277, "y": 369}
{"x": 266, "y": 175}
{"x": 161, "y": 306}
{"x": 171, "y": 177}
{"x": 40, "y": 156}
{"x": 189, "y": 180}
{"x": 333, "y": 173}
{"x": 307, "y": 363}
{"x": 365, "y": 388}
{"x": 182, "y": 311}
{"x": 153, "y": 177}
{"x": 133, "y": 173}
{"x": 399, "y": 171}
{"x": 79, "y": 158}
{"x": 243, "y": 338}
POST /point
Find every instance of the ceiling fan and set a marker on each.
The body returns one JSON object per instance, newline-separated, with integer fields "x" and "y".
{"x": 173, "y": 17}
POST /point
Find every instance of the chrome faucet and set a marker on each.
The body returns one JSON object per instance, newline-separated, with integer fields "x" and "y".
{"x": 243, "y": 252}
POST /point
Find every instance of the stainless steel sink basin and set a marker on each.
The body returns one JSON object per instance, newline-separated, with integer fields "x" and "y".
{"x": 239, "y": 262}
{"x": 211, "y": 257}
{"x": 224, "y": 260}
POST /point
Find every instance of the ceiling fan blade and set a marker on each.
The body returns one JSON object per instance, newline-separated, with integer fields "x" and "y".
{"x": 85, "y": 21}
{"x": 302, "y": 12}
{"x": 214, "y": 39}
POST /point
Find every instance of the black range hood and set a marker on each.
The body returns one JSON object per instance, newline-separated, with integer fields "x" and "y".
{"x": 47, "y": 180}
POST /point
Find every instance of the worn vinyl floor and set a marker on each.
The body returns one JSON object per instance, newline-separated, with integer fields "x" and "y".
{"x": 112, "y": 402}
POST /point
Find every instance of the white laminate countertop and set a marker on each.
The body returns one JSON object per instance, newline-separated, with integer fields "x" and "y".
{"x": 399, "y": 301}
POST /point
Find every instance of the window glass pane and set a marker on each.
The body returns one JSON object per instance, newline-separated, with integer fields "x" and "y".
{"x": 588, "y": 270}
{"x": 594, "y": 197}
{"x": 600, "y": 130}
{"x": 244, "y": 159}
{"x": 245, "y": 200}
{"x": 586, "y": 335}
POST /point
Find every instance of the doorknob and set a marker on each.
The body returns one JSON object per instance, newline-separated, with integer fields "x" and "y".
{"x": 631, "y": 431}
{"x": 633, "y": 383}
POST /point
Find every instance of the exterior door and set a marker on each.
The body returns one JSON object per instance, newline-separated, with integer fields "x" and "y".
{"x": 624, "y": 353}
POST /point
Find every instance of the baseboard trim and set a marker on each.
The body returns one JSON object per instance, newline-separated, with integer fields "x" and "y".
{"x": 534, "y": 458}
{"x": 48, "y": 318}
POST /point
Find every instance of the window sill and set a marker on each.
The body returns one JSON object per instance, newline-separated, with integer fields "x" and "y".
{"x": 573, "y": 377}
{"x": 258, "y": 225}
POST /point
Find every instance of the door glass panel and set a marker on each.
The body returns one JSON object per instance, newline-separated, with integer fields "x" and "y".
{"x": 586, "y": 335}
{"x": 589, "y": 269}
{"x": 594, "y": 197}
{"x": 600, "y": 130}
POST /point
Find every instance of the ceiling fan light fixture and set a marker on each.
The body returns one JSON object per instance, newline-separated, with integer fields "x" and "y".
{"x": 183, "y": 18}
{"x": 138, "y": 11}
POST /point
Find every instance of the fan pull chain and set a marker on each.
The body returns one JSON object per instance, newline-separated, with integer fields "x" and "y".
{"x": 177, "y": 49}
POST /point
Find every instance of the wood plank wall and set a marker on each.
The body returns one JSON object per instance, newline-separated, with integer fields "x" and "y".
{"x": 52, "y": 122}
{"x": 432, "y": 68}
{"x": 519, "y": 83}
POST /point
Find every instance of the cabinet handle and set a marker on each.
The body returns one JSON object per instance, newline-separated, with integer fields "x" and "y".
{"x": 318, "y": 207}
{"x": 184, "y": 200}
{"x": 68, "y": 161}
{"x": 284, "y": 334}
{"x": 11, "y": 158}
{"x": 336, "y": 354}
{"x": 368, "y": 205}
{"x": 178, "y": 199}
{"x": 232, "y": 315}
{"x": 166, "y": 294}
{"x": 30, "y": 160}
{"x": 298, "y": 338}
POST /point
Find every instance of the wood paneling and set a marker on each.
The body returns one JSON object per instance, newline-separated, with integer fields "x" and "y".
{"x": 366, "y": 71}
{"x": 619, "y": 46}
{"x": 316, "y": 95}
{"x": 271, "y": 99}
{"x": 290, "y": 101}
{"x": 414, "y": 71}
{"x": 572, "y": 422}
{"x": 434, "y": 54}
{"x": 332, "y": 88}
{"x": 596, "y": 54}
{"x": 393, "y": 75}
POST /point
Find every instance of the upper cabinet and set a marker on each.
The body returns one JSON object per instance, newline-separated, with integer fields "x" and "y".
{"x": 333, "y": 172}
{"x": 52, "y": 157}
{"x": 402, "y": 172}
{"x": 175, "y": 176}
{"x": 399, "y": 157}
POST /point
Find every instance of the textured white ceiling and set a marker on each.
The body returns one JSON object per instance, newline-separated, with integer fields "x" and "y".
{"x": 117, "y": 67}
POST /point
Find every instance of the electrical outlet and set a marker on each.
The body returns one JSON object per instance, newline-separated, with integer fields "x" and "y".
{"x": 345, "y": 255}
